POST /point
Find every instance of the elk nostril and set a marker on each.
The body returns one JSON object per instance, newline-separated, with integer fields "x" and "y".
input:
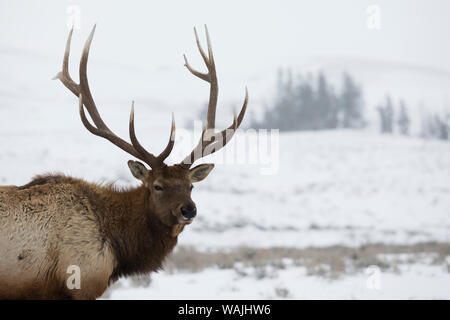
{"x": 188, "y": 212}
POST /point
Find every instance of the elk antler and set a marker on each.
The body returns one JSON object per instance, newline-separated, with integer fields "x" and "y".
{"x": 100, "y": 129}
{"x": 210, "y": 142}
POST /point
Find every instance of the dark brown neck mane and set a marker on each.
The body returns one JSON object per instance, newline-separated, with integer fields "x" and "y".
{"x": 139, "y": 240}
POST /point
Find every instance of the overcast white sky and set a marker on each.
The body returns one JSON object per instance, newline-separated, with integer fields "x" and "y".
{"x": 252, "y": 32}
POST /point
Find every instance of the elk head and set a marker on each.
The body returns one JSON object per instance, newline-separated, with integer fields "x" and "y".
{"x": 169, "y": 187}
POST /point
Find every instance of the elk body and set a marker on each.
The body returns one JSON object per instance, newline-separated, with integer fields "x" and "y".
{"x": 55, "y": 221}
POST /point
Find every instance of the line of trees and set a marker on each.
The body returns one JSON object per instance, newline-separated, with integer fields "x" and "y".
{"x": 389, "y": 118}
{"x": 312, "y": 103}
{"x": 396, "y": 118}
{"x": 436, "y": 125}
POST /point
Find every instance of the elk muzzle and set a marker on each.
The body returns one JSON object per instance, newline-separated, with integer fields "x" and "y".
{"x": 188, "y": 212}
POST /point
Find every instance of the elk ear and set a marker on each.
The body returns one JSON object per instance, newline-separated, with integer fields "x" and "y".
{"x": 138, "y": 170}
{"x": 200, "y": 172}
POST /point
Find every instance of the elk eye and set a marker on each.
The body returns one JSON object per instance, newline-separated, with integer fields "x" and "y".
{"x": 158, "y": 188}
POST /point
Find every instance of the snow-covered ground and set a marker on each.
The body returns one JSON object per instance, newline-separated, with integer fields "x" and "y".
{"x": 414, "y": 282}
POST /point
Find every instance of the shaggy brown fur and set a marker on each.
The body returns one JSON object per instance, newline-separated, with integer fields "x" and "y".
{"x": 55, "y": 221}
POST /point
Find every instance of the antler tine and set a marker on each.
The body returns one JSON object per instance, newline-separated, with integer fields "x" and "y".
{"x": 243, "y": 110}
{"x": 166, "y": 152}
{"x": 214, "y": 89}
{"x": 199, "y": 46}
{"x": 231, "y": 130}
{"x": 66, "y": 79}
{"x": 105, "y": 133}
{"x": 226, "y": 136}
{"x": 234, "y": 126}
{"x": 220, "y": 139}
{"x": 150, "y": 158}
{"x": 209, "y": 77}
{"x": 64, "y": 75}
{"x": 212, "y": 144}
{"x": 84, "y": 84}
{"x": 203, "y": 76}
{"x": 197, "y": 152}
{"x": 210, "y": 52}
{"x": 100, "y": 129}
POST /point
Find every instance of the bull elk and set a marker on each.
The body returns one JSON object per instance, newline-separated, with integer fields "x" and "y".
{"x": 57, "y": 221}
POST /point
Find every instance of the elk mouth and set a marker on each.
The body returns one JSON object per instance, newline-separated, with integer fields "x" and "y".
{"x": 184, "y": 220}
